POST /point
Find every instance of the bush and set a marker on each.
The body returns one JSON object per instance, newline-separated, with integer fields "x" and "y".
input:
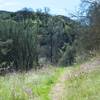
{"x": 18, "y": 43}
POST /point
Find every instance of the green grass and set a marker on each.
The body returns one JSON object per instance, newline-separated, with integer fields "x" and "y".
{"x": 29, "y": 86}
{"x": 84, "y": 87}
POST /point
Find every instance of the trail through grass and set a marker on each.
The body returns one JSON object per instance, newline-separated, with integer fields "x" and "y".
{"x": 53, "y": 83}
{"x": 29, "y": 86}
{"x": 79, "y": 83}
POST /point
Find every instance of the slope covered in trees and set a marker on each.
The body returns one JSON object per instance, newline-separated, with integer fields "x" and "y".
{"x": 89, "y": 37}
{"x": 30, "y": 38}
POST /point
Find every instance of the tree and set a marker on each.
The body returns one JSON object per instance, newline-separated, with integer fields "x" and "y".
{"x": 92, "y": 28}
{"x": 23, "y": 48}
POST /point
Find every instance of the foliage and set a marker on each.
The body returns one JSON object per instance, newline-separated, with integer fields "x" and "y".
{"x": 89, "y": 37}
{"x": 88, "y": 29}
{"x": 18, "y": 43}
{"x": 34, "y": 36}
{"x": 68, "y": 56}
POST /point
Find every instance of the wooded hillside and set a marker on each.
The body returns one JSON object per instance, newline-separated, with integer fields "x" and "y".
{"x": 29, "y": 38}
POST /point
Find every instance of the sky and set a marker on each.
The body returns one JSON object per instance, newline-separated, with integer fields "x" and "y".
{"x": 57, "y": 7}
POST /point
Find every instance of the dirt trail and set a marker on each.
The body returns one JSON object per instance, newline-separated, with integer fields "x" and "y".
{"x": 58, "y": 90}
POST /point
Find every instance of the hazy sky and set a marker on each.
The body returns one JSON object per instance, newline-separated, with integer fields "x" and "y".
{"x": 63, "y": 7}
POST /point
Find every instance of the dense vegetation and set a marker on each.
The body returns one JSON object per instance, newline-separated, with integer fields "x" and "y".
{"x": 33, "y": 38}
{"x": 89, "y": 35}
{"x": 29, "y": 38}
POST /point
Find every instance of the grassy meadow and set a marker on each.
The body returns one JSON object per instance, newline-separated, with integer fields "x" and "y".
{"x": 36, "y": 85}
{"x": 33, "y": 85}
{"x": 84, "y": 87}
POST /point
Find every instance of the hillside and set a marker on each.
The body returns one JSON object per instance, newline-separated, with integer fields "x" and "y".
{"x": 39, "y": 36}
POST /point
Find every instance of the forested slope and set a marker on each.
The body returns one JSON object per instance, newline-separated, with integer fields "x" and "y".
{"x": 30, "y": 38}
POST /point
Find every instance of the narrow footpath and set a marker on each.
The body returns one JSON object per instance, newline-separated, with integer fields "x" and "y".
{"x": 58, "y": 90}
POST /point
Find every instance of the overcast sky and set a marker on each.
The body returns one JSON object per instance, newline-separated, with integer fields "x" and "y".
{"x": 62, "y": 7}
